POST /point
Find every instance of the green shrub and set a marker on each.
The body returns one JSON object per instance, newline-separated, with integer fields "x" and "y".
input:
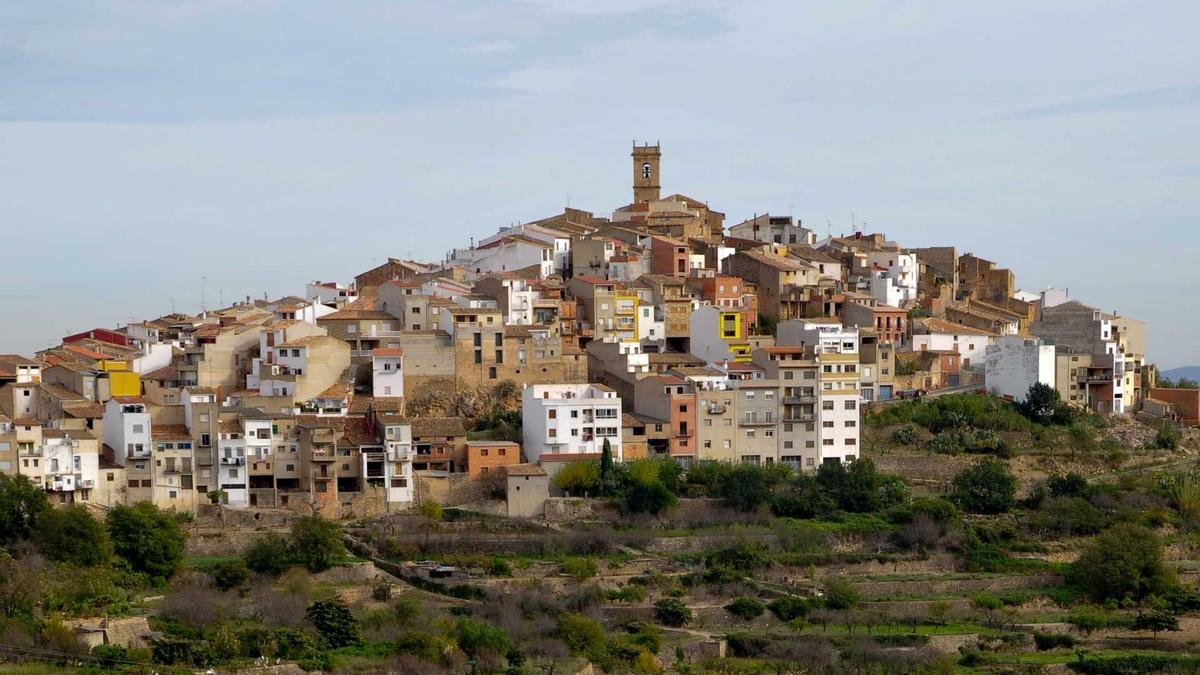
{"x": 580, "y": 568}
{"x": 628, "y": 593}
{"x": 840, "y": 594}
{"x": 1136, "y": 664}
{"x": 269, "y": 555}
{"x": 946, "y": 443}
{"x": 316, "y": 542}
{"x": 672, "y": 612}
{"x": 230, "y": 574}
{"x": 746, "y": 608}
{"x": 420, "y": 644}
{"x": 1048, "y": 641}
{"x": 905, "y": 435}
{"x": 583, "y": 636}
{"x": 788, "y": 608}
{"x": 1124, "y": 561}
{"x": 987, "y": 487}
{"x": 334, "y": 622}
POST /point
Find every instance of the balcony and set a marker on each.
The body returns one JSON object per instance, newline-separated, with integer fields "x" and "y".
{"x": 757, "y": 422}
{"x": 716, "y": 409}
{"x": 374, "y": 333}
{"x": 800, "y": 398}
{"x": 233, "y": 461}
{"x": 360, "y": 352}
{"x": 799, "y": 417}
{"x": 323, "y": 456}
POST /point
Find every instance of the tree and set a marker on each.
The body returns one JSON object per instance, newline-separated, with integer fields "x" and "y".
{"x": 579, "y": 478}
{"x": 840, "y": 594}
{"x": 1044, "y": 405}
{"x": 746, "y": 488}
{"x": 582, "y": 635}
{"x": 334, "y": 622}
{"x": 672, "y": 612}
{"x": 476, "y": 637}
{"x": 646, "y": 491}
{"x": 22, "y": 502}
{"x": 987, "y": 487}
{"x": 1124, "y": 561}
{"x": 269, "y": 555}
{"x": 1155, "y": 621}
{"x": 148, "y": 538}
{"x": 606, "y": 469}
{"x": 859, "y": 487}
{"x": 988, "y": 604}
{"x": 316, "y": 542}
{"x": 72, "y": 535}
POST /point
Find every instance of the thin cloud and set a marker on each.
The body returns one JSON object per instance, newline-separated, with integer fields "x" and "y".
{"x": 1148, "y": 99}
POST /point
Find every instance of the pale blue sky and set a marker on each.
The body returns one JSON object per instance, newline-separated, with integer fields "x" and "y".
{"x": 144, "y": 144}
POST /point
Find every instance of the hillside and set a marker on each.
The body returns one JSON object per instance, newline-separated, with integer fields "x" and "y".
{"x": 1189, "y": 372}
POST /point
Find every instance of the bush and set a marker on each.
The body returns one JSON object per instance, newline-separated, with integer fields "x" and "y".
{"x": 476, "y": 637}
{"x": 316, "y": 542}
{"x": 743, "y": 555}
{"x": 788, "y": 608}
{"x": 580, "y": 568}
{"x": 579, "y": 478}
{"x": 1124, "y": 561}
{"x": 1048, "y": 641}
{"x": 583, "y": 636}
{"x": 946, "y": 443}
{"x": 628, "y": 593}
{"x": 746, "y": 488}
{"x": 22, "y": 503}
{"x": 859, "y": 487}
{"x": 334, "y": 622}
{"x": 746, "y": 608}
{"x": 672, "y": 612}
{"x": 229, "y": 575}
{"x": 905, "y": 435}
{"x": 420, "y": 644}
{"x": 1043, "y": 405}
{"x": 987, "y": 487}
{"x": 840, "y": 594}
{"x": 1166, "y": 438}
{"x": 269, "y": 555}
{"x": 1066, "y": 516}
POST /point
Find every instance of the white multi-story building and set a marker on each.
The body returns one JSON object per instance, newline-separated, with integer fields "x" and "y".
{"x": 944, "y": 336}
{"x": 572, "y": 419}
{"x": 506, "y": 254}
{"x": 127, "y": 428}
{"x": 232, "y": 472}
{"x": 827, "y": 336}
{"x": 397, "y": 462}
{"x": 330, "y": 293}
{"x": 559, "y": 241}
{"x": 387, "y": 372}
{"x": 1015, "y": 363}
{"x": 71, "y": 463}
{"x": 893, "y": 277}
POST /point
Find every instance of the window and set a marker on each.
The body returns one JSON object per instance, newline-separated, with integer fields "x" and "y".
{"x": 552, "y": 414}
{"x": 851, "y": 441}
{"x": 205, "y": 440}
{"x": 646, "y": 170}
{"x": 851, "y": 405}
{"x": 503, "y": 451}
{"x": 499, "y": 339}
{"x": 827, "y": 441}
{"x": 851, "y": 423}
{"x": 139, "y": 429}
{"x": 492, "y": 373}
{"x": 203, "y": 417}
{"x": 826, "y": 405}
{"x": 552, "y": 433}
{"x": 499, "y": 356}
{"x": 483, "y": 452}
{"x": 478, "y": 356}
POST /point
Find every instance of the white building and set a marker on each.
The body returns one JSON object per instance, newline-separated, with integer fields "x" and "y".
{"x": 1014, "y": 364}
{"x": 232, "y": 473}
{"x": 397, "y": 462}
{"x": 944, "y": 336}
{"x": 773, "y": 230}
{"x": 893, "y": 277}
{"x": 650, "y": 325}
{"x": 570, "y": 419}
{"x": 330, "y": 293}
{"x": 71, "y": 463}
{"x": 506, "y": 254}
{"x": 387, "y": 373}
{"x": 127, "y": 428}
{"x": 827, "y": 336}
{"x": 559, "y": 241}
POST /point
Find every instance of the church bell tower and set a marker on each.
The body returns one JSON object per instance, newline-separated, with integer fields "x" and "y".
{"x": 645, "y": 172}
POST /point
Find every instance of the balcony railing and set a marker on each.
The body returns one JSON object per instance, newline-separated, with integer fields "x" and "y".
{"x": 800, "y": 398}
{"x": 233, "y": 461}
{"x": 799, "y": 417}
{"x": 716, "y": 409}
{"x": 757, "y": 422}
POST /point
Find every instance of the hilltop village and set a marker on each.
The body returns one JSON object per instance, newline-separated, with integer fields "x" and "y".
{"x": 658, "y": 329}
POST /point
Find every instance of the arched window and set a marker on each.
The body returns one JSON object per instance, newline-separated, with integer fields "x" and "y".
{"x": 646, "y": 170}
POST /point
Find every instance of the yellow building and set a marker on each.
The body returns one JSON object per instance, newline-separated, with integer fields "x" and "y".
{"x": 121, "y": 380}
{"x": 625, "y": 314}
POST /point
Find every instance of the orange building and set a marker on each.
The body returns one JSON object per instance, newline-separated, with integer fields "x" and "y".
{"x": 484, "y": 457}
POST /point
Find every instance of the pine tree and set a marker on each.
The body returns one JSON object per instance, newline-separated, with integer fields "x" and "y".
{"x": 606, "y": 469}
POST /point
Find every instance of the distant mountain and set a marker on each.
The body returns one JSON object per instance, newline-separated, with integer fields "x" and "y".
{"x": 1190, "y": 372}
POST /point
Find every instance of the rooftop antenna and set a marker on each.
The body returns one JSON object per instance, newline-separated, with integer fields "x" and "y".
{"x": 568, "y": 200}
{"x": 220, "y": 297}
{"x": 203, "y": 282}
{"x": 172, "y": 305}
{"x": 852, "y": 225}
